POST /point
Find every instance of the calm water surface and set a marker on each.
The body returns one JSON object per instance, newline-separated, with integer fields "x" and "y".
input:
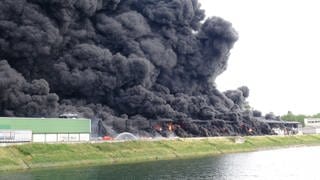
{"x": 293, "y": 163}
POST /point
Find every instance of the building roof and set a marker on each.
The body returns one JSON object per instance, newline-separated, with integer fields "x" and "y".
{"x": 46, "y": 125}
{"x": 272, "y": 121}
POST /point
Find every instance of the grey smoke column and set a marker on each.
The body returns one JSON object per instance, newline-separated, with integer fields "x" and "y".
{"x": 119, "y": 61}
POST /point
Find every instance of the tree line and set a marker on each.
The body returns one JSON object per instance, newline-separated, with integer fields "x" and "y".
{"x": 299, "y": 117}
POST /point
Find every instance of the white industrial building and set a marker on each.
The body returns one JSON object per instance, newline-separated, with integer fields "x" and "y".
{"x": 15, "y": 129}
{"x": 312, "y": 126}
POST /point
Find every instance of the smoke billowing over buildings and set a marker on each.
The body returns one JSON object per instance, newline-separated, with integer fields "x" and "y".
{"x": 129, "y": 63}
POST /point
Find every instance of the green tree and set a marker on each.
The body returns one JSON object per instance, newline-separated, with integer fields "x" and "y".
{"x": 316, "y": 115}
{"x": 292, "y": 117}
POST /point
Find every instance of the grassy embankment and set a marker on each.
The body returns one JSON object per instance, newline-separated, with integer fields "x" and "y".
{"x": 54, "y": 155}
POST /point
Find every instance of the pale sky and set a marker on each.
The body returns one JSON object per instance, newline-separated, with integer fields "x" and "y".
{"x": 277, "y": 54}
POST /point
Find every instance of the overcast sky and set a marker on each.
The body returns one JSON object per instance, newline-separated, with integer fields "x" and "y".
{"x": 277, "y": 54}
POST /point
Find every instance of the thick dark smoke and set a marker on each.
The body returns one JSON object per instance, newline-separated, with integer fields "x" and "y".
{"x": 130, "y": 63}
{"x": 20, "y": 98}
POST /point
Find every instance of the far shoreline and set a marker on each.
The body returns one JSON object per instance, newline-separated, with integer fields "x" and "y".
{"x": 37, "y": 156}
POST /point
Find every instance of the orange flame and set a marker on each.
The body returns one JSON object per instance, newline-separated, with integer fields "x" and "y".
{"x": 170, "y": 127}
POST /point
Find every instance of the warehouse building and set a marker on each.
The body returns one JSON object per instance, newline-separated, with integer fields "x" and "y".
{"x": 312, "y": 126}
{"x": 281, "y": 127}
{"x": 13, "y": 129}
{"x": 314, "y": 122}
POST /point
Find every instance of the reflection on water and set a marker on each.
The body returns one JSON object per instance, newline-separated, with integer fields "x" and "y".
{"x": 293, "y": 163}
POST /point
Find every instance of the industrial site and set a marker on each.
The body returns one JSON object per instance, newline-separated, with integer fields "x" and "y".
{"x": 130, "y": 65}
{"x": 141, "y": 89}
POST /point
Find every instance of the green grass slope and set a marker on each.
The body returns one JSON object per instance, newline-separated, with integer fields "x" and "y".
{"x": 56, "y": 155}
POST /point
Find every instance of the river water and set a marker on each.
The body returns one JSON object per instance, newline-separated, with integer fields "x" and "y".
{"x": 292, "y": 163}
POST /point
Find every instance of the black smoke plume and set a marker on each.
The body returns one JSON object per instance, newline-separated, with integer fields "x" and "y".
{"x": 130, "y": 63}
